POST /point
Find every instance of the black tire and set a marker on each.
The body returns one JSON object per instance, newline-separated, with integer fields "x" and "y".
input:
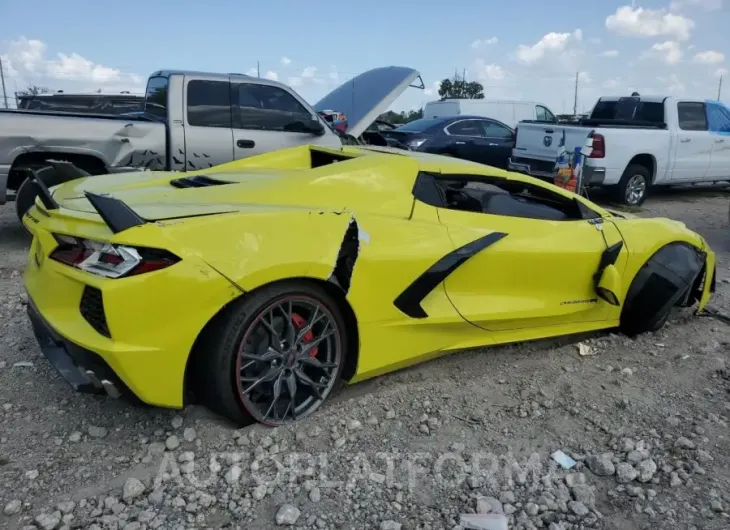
{"x": 635, "y": 177}
{"x": 217, "y": 356}
{"x": 661, "y": 322}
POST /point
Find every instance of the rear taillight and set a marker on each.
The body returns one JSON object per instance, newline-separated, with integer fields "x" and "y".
{"x": 110, "y": 260}
{"x": 598, "y": 146}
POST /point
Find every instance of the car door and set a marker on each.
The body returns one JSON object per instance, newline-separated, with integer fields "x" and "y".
{"x": 534, "y": 273}
{"x": 718, "y": 117}
{"x": 499, "y": 144}
{"x": 263, "y": 115}
{"x": 693, "y": 148}
{"x": 467, "y": 140}
{"x": 208, "y": 134}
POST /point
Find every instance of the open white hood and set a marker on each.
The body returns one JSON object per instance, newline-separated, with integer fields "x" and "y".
{"x": 365, "y": 97}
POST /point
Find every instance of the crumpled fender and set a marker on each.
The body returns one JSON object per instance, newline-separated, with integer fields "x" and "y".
{"x": 265, "y": 244}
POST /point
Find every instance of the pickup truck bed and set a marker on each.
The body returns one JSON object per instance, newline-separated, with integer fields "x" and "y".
{"x": 633, "y": 144}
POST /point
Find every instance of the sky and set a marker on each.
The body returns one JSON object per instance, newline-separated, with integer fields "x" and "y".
{"x": 517, "y": 49}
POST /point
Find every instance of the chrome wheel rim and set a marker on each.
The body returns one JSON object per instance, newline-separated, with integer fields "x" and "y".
{"x": 288, "y": 360}
{"x": 635, "y": 189}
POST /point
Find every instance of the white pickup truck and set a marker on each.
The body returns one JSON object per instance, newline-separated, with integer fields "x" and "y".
{"x": 635, "y": 143}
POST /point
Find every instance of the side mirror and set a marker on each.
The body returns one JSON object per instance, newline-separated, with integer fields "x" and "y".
{"x": 315, "y": 127}
{"x": 609, "y": 284}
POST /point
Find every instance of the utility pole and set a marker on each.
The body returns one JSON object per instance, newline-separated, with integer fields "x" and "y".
{"x": 719, "y": 89}
{"x": 575, "y": 99}
{"x": 2, "y": 77}
{"x": 258, "y": 69}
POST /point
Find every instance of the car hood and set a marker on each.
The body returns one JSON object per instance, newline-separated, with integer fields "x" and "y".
{"x": 365, "y": 97}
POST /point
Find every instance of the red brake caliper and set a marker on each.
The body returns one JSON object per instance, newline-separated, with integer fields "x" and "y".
{"x": 299, "y": 323}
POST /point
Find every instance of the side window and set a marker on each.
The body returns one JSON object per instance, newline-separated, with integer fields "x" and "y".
{"x": 692, "y": 116}
{"x": 549, "y": 116}
{"x": 496, "y": 130}
{"x": 466, "y": 128}
{"x": 267, "y": 107}
{"x": 540, "y": 113}
{"x": 155, "y": 101}
{"x": 209, "y": 104}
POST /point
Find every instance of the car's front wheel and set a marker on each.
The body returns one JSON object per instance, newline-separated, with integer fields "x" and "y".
{"x": 275, "y": 356}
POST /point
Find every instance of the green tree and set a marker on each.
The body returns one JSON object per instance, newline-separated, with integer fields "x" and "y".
{"x": 33, "y": 90}
{"x": 460, "y": 88}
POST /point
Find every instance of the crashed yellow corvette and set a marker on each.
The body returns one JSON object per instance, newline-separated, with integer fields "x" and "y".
{"x": 255, "y": 286}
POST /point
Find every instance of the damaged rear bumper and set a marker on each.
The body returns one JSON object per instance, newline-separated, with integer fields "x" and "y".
{"x": 83, "y": 369}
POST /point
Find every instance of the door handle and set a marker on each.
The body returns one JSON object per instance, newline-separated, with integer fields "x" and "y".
{"x": 719, "y": 140}
{"x": 245, "y": 144}
{"x": 685, "y": 140}
{"x": 493, "y": 145}
{"x": 549, "y": 131}
{"x": 459, "y": 143}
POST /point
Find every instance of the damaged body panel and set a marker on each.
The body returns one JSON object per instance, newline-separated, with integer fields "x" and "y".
{"x": 295, "y": 268}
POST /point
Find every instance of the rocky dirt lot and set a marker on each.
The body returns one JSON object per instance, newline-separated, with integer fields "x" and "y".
{"x": 646, "y": 420}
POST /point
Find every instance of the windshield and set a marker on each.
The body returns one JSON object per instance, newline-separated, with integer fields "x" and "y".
{"x": 419, "y": 125}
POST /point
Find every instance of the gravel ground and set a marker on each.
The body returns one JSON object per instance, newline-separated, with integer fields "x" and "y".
{"x": 646, "y": 420}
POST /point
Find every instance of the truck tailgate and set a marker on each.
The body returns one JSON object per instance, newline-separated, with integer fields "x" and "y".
{"x": 541, "y": 141}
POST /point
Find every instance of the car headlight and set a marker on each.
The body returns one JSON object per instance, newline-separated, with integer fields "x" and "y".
{"x": 416, "y": 143}
{"x": 109, "y": 260}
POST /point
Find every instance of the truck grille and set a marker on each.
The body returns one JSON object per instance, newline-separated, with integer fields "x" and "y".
{"x": 92, "y": 309}
{"x": 201, "y": 181}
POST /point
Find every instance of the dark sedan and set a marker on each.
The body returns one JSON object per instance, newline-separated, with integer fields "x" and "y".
{"x": 472, "y": 138}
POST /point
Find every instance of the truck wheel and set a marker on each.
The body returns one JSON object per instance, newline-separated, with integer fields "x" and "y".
{"x": 634, "y": 185}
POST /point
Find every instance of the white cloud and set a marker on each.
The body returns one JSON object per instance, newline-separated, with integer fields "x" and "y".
{"x": 487, "y": 72}
{"x": 25, "y": 59}
{"x": 481, "y": 43}
{"x": 640, "y": 22}
{"x": 271, "y": 75}
{"x": 584, "y": 78}
{"x": 707, "y": 5}
{"x": 285, "y": 61}
{"x": 294, "y": 81}
{"x": 610, "y": 83}
{"x": 552, "y": 44}
{"x": 610, "y": 53}
{"x": 709, "y": 57}
{"x": 669, "y": 52}
{"x": 309, "y": 72}
{"x": 595, "y": 40}
{"x": 721, "y": 72}
{"x": 253, "y": 72}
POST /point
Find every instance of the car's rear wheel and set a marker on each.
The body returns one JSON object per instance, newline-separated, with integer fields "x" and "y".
{"x": 274, "y": 357}
{"x": 634, "y": 185}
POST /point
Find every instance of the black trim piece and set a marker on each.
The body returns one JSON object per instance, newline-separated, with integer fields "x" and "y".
{"x": 409, "y": 301}
{"x": 115, "y": 213}
{"x": 608, "y": 257}
{"x": 200, "y": 181}
{"x": 46, "y": 198}
{"x": 426, "y": 190}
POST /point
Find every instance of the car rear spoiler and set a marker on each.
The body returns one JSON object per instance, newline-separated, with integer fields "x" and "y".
{"x": 115, "y": 213}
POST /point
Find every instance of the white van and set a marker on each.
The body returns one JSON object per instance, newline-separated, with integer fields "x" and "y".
{"x": 508, "y": 112}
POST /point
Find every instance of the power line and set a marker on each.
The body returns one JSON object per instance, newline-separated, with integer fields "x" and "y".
{"x": 575, "y": 100}
{"x": 719, "y": 89}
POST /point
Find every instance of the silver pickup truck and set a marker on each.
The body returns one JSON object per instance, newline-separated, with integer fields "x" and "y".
{"x": 190, "y": 120}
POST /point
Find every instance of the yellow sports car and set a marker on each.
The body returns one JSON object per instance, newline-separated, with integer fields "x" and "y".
{"x": 255, "y": 286}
